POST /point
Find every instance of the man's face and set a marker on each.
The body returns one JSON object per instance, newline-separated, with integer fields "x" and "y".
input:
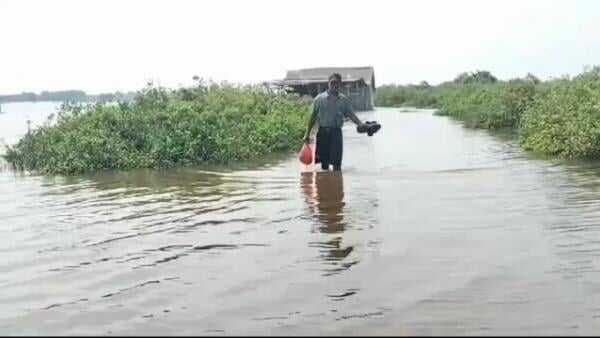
{"x": 334, "y": 85}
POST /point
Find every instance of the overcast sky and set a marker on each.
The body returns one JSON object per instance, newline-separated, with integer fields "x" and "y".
{"x": 107, "y": 45}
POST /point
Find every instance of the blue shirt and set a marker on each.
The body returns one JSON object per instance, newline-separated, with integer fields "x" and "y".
{"x": 330, "y": 110}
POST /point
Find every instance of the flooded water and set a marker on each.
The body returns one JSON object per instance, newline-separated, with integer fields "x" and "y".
{"x": 430, "y": 229}
{"x": 14, "y": 117}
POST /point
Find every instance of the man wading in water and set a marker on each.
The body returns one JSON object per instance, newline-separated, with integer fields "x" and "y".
{"x": 329, "y": 110}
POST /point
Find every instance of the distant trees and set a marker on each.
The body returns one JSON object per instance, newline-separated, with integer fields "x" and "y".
{"x": 25, "y": 96}
{"x": 423, "y": 85}
{"x": 112, "y": 97}
{"x": 518, "y": 93}
{"x": 527, "y": 79}
{"x": 532, "y": 78}
{"x": 480, "y": 76}
{"x": 67, "y": 96}
{"x": 484, "y": 76}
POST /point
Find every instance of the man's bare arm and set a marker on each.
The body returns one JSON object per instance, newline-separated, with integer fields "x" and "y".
{"x": 354, "y": 118}
{"x": 350, "y": 114}
{"x": 311, "y": 123}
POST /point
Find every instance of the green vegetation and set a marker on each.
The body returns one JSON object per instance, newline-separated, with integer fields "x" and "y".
{"x": 424, "y": 95}
{"x": 164, "y": 128}
{"x": 564, "y": 119}
{"x": 421, "y": 95}
{"x": 223, "y": 123}
{"x": 490, "y": 106}
{"x": 559, "y": 117}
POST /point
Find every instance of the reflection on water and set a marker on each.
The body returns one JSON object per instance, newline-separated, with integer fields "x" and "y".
{"x": 432, "y": 229}
{"x": 324, "y": 195}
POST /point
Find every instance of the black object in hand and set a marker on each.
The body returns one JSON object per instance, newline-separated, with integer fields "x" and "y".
{"x": 369, "y": 127}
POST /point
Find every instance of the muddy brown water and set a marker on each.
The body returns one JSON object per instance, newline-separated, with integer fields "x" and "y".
{"x": 431, "y": 228}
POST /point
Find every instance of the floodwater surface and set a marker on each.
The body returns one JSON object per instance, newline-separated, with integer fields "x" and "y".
{"x": 430, "y": 229}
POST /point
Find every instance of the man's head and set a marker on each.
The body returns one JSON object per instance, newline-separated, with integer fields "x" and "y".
{"x": 335, "y": 81}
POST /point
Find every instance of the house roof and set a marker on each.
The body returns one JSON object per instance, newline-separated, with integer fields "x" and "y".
{"x": 314, "y": 75}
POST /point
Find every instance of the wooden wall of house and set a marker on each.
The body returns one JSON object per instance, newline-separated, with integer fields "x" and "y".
{"x": 311, "y": 89}
{"x": 359, "y": 93}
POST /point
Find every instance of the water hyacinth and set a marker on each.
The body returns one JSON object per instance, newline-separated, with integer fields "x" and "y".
{"x": 489, "y": 106}
{"x": 215, "y": 123}
{"x": 564, "y": 120}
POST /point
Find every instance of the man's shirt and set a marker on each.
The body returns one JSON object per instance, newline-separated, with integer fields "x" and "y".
{"x": 331, "y": 110}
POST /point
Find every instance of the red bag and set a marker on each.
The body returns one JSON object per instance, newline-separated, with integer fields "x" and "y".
{"x": 305, "y": 154}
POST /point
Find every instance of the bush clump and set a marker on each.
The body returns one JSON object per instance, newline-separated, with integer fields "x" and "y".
{"x": 215, "y": 123}
{"x": 564, "y": 120}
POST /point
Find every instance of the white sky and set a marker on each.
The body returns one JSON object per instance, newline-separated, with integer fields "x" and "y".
{"x": 107, "y": 45}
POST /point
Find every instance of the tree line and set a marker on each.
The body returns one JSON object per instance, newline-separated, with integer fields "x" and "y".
{"x": 68, "y": 96}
